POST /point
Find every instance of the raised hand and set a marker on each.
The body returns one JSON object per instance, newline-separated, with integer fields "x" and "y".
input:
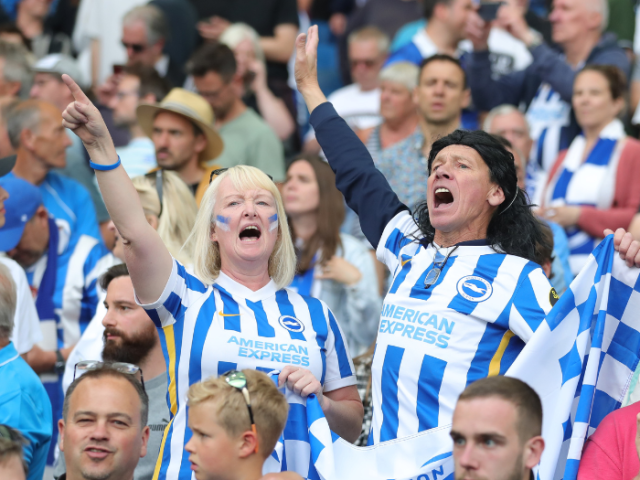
{"x": 306, "y": 68}
{"x": 85, "y": 120}
{"x": 626, "y": 246}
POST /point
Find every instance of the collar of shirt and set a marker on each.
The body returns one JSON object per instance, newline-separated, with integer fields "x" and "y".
{"x": 8, "y": 354}
{"x": 162, "y": 65}
{"x": 235, "y": 288}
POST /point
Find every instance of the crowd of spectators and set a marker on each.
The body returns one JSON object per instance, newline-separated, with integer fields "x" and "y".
{"x": 243, "y": 200}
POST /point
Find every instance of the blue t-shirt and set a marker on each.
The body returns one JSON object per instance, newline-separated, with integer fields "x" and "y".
{"x": 25, "y": 406}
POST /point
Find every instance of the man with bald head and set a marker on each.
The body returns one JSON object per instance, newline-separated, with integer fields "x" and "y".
{"x": 546, "y": 86}
{"x": 40, "y": 141}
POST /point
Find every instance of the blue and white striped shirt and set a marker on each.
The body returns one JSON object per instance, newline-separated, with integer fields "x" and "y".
{"x": 433, "y": 342}
{"x": 207, "y": 330}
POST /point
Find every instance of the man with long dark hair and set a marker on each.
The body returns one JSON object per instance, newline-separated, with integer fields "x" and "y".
{"x": 466, "y": 293}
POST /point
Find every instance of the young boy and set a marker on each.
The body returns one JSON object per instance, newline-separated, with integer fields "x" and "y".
{"x": 236, "y": 420}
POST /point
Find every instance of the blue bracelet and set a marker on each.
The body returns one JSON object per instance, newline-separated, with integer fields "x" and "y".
{"x": 104, "y": 168}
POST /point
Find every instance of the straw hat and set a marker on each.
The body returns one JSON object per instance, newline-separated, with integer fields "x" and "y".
{"x": 191, "y": 106}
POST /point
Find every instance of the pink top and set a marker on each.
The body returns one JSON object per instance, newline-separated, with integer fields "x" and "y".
{"x": 626, "y": 197}
{"x": 610, "y": 453}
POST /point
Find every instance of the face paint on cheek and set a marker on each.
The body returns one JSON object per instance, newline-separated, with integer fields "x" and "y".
{"x": 273, "y": 222}
{"x": 223, "y": 222}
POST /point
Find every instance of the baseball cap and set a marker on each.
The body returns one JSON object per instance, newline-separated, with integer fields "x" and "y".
{"x": 24, "y": 199}
{"x": 59, "y": 63}
{"x": 6, "y": 164}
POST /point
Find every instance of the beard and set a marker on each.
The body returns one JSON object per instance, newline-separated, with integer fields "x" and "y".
{"x": 128, "y": 348}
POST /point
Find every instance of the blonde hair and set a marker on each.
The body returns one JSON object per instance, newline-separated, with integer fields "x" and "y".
{"x": 206, "y": 254}
{"x": 179, "y": 211}
{"x": 269, "y": 407}
{"x": 238, "y": 32}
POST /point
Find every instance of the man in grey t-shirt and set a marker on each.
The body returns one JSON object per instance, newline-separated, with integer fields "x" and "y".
{"x": 131, "y": 337}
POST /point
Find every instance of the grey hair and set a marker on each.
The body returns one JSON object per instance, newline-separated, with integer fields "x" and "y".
{"x": 404, "y": 73}
{"x": 601, "y": 7}
{"x": 153, "y": 19}
{"x": 500, "y": 110}
{"x": 17, "y": 67}
{"x": 238, "y": 32}
{"x": 8, "y": 300}
{"x": 371, "y": 33}
{"x": 23, "y": 115}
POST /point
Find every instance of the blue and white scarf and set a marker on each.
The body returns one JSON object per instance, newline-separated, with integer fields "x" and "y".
{"x": 588, "y": 183}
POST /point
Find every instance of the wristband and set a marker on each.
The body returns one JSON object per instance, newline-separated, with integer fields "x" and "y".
{"x": 104, "y": 168}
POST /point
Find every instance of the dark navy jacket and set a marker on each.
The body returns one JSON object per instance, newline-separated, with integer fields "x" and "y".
{"x": 548, "y": 66}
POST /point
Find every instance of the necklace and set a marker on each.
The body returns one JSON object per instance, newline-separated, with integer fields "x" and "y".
{"x": 436, "y": 268}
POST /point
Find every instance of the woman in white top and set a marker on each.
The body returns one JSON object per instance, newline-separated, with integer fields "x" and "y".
{"x": 332, "y": 266}
{"x": 234, "y": 313}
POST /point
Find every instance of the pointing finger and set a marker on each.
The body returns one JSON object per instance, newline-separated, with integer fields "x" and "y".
{"x": 300, "y": 43}
{"x": 312, "y": 40}
{"x": 76, "y": 91}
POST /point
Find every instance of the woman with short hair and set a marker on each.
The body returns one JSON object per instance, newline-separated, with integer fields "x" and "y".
{"x": 234, "y": 313}
{"x": 332, "y": 266}
{"x": 593, "y": 185}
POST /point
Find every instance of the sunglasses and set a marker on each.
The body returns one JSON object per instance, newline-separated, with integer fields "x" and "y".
{"x": 238, "y": 381}
{"x": 136, "y": 47}
{"x": 220, "y": 171}
{"x": 159, "y": 178}
{"x": 128, "y": 368}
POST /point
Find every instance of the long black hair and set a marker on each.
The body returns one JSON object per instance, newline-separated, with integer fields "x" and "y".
{"x": 513, "y": 228}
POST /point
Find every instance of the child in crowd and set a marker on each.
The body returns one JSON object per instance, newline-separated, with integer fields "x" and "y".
{"x": 236, "y": 420}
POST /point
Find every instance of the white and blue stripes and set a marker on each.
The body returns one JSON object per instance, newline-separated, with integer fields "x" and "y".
{"x": 208, "y": 330}
{"x": 432, "y": 342}
{"x": 588, "y": 182}
{"x": 580, "y": 361}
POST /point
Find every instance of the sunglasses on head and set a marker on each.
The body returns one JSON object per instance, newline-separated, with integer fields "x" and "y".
{"x": 136, "y": 47}
{"x": 122, "y": 367}
{"x": 238, "y": 380}
{"x": 220, "y": 171}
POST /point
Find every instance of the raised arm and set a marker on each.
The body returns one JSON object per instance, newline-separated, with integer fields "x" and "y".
{"x": 365, "y": 189}
{"x": 148, "y": 259}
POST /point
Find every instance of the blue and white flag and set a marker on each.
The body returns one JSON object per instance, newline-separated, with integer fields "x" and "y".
{"x": 580, "y": 361}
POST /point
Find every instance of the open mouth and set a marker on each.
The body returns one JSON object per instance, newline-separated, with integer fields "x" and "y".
{"x": 442, "y": 196}
{"x": 250, "y": 233}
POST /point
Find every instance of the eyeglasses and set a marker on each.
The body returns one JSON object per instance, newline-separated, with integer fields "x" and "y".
{"x": 122, "y": 95}
{"x": 220, "y": 171}
{"x": 436, "y": 270}
{"x": 238, "y": 380}
{"x": 159, "y": 177}
{"x": 128, "y": 368}
{"x": 136, "y": 47}
{"x": 368, "y": 62}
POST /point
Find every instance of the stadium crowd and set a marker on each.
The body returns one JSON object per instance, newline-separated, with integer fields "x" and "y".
{"x": 208, "y": 207}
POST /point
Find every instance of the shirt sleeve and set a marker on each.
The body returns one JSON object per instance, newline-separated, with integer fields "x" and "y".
{"x": 87, "y": 222}
{"x": 340, "y": 371}
{"x": 399, "y": 232}
{"x": 26, "y": 330}
{"x": 268, "y": 155}
{"x": 364, "y": 187}
{"x": 177, "y": 296}
{"x": 363, "y": 301}
{"x": 600, "y": 459}
{"x": 531, "y": 302}
{"x": 286, "y": 12}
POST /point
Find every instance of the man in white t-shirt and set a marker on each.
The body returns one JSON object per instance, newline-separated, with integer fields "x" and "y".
{"x": 359, "y": 103}
{"x": 26, "y": 331}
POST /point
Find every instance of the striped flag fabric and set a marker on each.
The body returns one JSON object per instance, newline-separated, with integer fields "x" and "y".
{"x": 580, "y": 361}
